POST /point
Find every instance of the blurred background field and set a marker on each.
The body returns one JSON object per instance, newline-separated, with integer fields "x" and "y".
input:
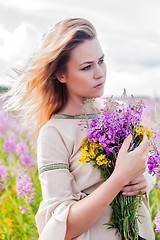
{"x": 20, "y": 192}
{"x": 129, "y": 34}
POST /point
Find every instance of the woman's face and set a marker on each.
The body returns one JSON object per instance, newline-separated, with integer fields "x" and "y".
{"x": 86, "y": 71}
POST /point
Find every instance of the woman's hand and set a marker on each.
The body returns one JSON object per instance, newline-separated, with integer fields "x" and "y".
{"x": 135, "y": 187}
{"x": 130, "y": 165}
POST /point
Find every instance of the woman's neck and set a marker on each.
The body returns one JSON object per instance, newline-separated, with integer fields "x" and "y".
{"x": 86, "y": 106}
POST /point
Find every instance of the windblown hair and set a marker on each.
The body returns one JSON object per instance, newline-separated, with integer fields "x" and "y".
{"x": 37, "y": 93}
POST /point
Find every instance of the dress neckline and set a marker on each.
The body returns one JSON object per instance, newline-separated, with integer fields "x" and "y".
{"x": 77, "y": 116}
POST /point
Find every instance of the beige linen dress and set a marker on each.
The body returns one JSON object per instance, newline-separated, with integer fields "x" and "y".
{"x": 64, "y": 180}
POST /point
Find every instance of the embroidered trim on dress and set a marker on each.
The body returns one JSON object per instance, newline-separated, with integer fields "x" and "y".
{"x": 83, "y": 116}
{"x": 53, "y": 166}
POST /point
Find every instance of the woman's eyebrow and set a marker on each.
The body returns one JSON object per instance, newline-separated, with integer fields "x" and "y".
{"x": 91, "y": 61}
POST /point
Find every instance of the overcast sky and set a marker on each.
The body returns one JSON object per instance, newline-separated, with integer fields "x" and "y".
{"x": 128, "y": 30}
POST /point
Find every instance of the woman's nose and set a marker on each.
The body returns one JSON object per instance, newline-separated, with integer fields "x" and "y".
{"x": 99, "y": 72}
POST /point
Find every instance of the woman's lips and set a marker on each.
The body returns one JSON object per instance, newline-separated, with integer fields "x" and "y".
{"x": 99, "y": 85}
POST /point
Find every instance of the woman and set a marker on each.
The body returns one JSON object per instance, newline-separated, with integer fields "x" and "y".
{"x": 68, "y": 67}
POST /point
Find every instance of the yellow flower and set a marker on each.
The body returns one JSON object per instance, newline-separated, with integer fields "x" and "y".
{"x": 92, "y": 153}
{"x": 3, "y": 236}
{"x": 8, "y": 221}
{"x": 84, "y": 141}
{"x": 91, "y": 150}
{"x": 140, "y": 130}
{"x": 100, "y": 146}
{"x": 10, "y": 231}
{"x": 84, "y": 155}
{"x": 3, "y": 210}
{"x": 149, "y": 133}
{"x": 84, "y": 150}
{"x": 101, "y": 159}
{"x": 82, "y": 159}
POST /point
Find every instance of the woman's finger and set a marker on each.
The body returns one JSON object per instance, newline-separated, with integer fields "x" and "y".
{"x": 126, "y": 144}
{"x": 134, "y": 187}
{"x": 134, "y": 193}
{"x": 144, "y": 145}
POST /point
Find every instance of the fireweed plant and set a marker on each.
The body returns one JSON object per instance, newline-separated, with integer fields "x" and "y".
{"x": 105, "y": 135}
{"x": 20, "y": 192}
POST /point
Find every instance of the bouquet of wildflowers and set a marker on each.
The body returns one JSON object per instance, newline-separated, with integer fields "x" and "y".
{"x": 105, "y": 135}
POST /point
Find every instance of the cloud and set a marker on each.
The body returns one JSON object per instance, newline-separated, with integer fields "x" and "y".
{"x": 143, "y": 50}
{"x": 15, "y": 48}
{"x": 128, "y": 32}
{"x": 136, "y": 79}
{"x": 17, "y": 44}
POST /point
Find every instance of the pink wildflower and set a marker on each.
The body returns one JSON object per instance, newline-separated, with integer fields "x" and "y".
{"x": 24, "y": 186}
{"x": 9, "y": 146}
{"x": 22, "y": 148}
{"x": 26, "y": 159}
{"x": 25, "y": 191}
{"x": 24, "y": 153}
{"x": 23, "y": 210}
{"x": 3, "y": 172}
{"x": 3, "y": 175}
{"x": 157, "y": 222}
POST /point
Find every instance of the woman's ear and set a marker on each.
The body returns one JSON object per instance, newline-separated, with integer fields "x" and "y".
{"x": 61, "y": 77}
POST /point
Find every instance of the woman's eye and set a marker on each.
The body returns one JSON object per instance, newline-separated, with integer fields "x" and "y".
{"x": 101, "y": 61}
{"x": 87, "y": 67}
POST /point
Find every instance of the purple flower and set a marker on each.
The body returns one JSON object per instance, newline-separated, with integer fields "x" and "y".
{"x": 24, "y": 185}
{"x": 9, "y": 146}
{"x": 3, "y": 172}
{"x": 26, "y": 159}
{"x": 114, "y": 124}
{"x": 23, "y": 210}
{"x": 25, "y": 189}
{"x": 32, "y": 198}
{"x": 3, "y": 176}
{"x": 22, "y": 148}
{"x": 153, "y": 163}
{"x": 24, "y": 154}
{"x": 157, "y": 222}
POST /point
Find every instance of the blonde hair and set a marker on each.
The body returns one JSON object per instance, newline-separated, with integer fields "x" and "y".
{"x": 37, "y": 94}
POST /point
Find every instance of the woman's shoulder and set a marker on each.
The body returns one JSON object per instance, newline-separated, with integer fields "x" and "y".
{"x": 50, "y": 130}
{"x": 58, "y": 127}
{"x": 49, "y": 124}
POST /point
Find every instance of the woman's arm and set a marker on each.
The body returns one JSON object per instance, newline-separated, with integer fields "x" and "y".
{"x": 84, "y": 213}
{"x": 129, "y": 165}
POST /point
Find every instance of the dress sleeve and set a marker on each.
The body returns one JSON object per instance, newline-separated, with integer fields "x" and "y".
{"x": 151, "y": 180}
{"x": 59, "y": 189}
